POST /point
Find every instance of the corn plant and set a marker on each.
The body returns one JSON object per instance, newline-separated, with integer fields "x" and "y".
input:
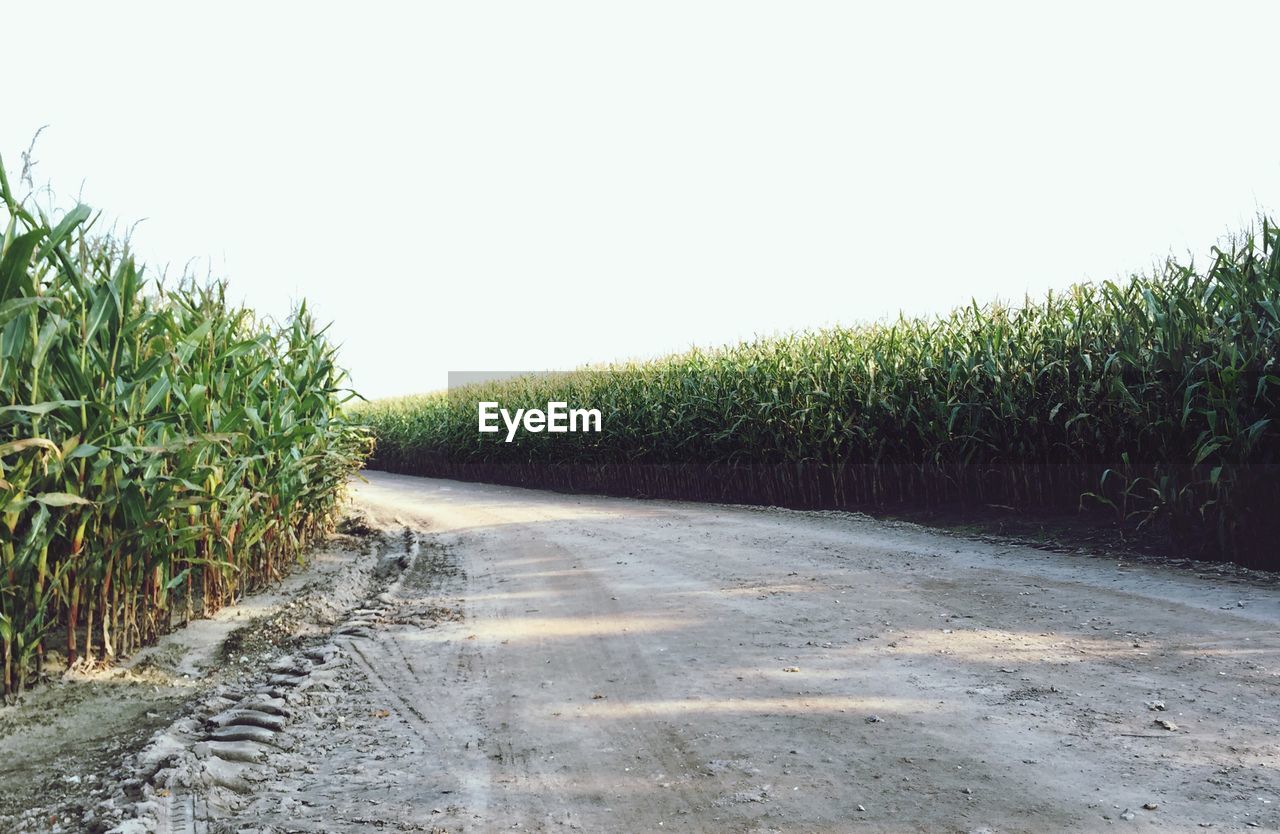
{"x": 1152, "y": 399}
{"x": 162, "y": 451}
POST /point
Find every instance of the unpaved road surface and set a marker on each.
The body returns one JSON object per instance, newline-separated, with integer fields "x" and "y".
{"x": 474, "y": 658}
{"x": 550, "y": 662}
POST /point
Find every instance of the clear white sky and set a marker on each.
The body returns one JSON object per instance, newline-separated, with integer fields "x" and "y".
{"x": 488, "y": 186}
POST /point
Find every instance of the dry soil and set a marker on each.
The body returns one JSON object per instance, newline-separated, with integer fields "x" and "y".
{"x": 547, "y": 662}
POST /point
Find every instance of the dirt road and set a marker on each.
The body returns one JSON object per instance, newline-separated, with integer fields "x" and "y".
{"x": 552, "y": 662}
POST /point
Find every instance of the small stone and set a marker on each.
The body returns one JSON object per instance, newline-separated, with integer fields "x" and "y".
{"x": 1126, "y": 814}
{"x": 873, "y": 719}
{"x": 1149, "y": 806}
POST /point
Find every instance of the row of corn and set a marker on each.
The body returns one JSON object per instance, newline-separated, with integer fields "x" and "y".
{"x": 1152, "y": 401}
{"x": 161, "y": 449}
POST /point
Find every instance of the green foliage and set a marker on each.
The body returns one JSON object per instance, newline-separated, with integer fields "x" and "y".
{"x": 161, "y": 450}
{"x": 1153, "y": 399}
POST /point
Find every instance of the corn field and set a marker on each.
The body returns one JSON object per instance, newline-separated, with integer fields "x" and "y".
{"x": 161, "y": 450}
{"x": 1151, "y": 401}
